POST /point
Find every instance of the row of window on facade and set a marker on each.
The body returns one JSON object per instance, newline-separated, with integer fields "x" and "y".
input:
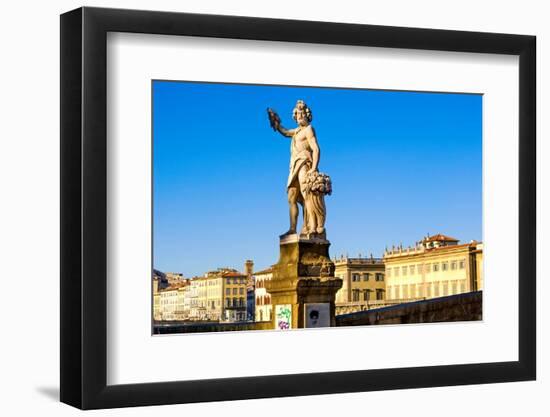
{"x": 263, "y": 300}
{"x": 239, "y": 316}
{"x": 428, "y": 290}
{"x": 204, "y": 315}
{"x": 260, "y": 283}
{"x": 378, "y": 276}
{"x": 229, "y": 302}
{"x": 367, "y": 295}
{"x": 230, "y": 281}
{"x": 235, "y": 302}
{"x": 426, "y": 268}
{"x": 240, "y": 290}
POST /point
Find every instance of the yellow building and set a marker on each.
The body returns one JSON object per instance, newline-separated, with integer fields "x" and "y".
{"x": 170, "y": 302}
{"x": 186, "y": 302}
{"x": 156, "y": 299}
{"x": 263, "y": 307}
{"x": 202, "y": 309}
{"x": 213, "y": 296}
{"x": 363, "y": 286}
{"x": 197, "y": 311}
{"x": 479, "y": 267}
{"x": 217, "y": 296}
{"x": 181, "y": 312}
{"x": 434, "y": 267}
{"x": 234, "y": 296}
{"x": 168, "y": 295}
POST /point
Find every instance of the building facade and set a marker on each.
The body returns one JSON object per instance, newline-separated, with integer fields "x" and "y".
{"x": 234, "y": 296}
{"x": 436, "y": 266}
{"x": 168, "y": 296}
{"x": 156, "y": 298}
{"x": 186, "y": 294}
{"x": 217, "y": 296}
{"x": 170, "y": 303}
{"x": 263, "y": 307}
{"x": 213, "y": 292}
{"x": 363, "y": 286}
{"x": 195, "y": 310}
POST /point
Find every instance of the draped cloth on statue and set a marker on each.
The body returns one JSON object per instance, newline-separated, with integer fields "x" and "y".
{"x": 300, "y": 155}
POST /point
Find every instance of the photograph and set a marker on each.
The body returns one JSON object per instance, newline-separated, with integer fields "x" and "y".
{"x": 344, "y": 199}
{"x": 282, "y": 207}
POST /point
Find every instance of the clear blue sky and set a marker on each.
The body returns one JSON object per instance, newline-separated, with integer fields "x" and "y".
{"x": 402, "y": 164}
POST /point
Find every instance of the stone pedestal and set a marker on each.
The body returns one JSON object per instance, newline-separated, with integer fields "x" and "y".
{"x": 303, "y": 275}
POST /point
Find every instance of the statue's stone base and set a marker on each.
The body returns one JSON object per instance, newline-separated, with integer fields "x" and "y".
{"x": 303, "y": 275}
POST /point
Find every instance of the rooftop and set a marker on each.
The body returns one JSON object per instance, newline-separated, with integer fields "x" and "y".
{"x": 421, "y": 249}
{"x": 174, "y": 287}
{"x": 439, "y": 238}
{"x": 359, "y": 260}
{"x": 233, "y": 274}
{"x": 264, "y": 271}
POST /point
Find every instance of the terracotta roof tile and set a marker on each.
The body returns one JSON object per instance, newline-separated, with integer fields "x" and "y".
{"x": 451, "y": 247}
{"x": 232, "y": 274}
{"x": 440, "y": 237}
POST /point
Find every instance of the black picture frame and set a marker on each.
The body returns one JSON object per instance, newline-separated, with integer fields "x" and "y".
{"x": 84, "y": 208}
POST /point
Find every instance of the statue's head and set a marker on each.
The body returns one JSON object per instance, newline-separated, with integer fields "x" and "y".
{"x": 302, "y": 113}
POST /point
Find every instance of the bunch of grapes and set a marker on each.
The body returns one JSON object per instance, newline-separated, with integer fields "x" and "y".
{"x": 318, "y": 183}
{"x": 274, "y": 119}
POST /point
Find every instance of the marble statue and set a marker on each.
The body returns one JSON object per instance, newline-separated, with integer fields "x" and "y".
{"x": 306, "y": 186}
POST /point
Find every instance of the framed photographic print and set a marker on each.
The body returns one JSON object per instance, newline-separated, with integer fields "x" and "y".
{"x": 304, "y": 198}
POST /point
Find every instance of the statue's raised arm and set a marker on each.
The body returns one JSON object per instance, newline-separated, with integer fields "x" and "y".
{"x": 275, "y": 122}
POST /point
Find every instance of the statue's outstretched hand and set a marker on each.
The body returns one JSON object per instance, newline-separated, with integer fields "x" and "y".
{"x": 274, "y": 119}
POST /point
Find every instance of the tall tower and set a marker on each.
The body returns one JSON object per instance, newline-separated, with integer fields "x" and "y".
{"x": 249, "y": 267}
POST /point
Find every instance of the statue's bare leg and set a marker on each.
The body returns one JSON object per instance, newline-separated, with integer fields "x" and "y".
{"x": 301, "y": 180}
{"x": 301, "y": 202}
{"x": 293, "y": 209}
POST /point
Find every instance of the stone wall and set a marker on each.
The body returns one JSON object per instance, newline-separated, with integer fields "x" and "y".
{"x": 460, "y": 307}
